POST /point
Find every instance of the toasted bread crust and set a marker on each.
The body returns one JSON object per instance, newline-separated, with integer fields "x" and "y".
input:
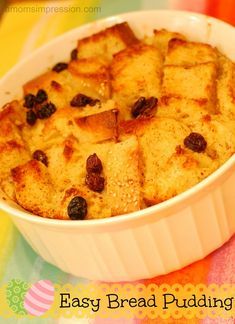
{"x": 226, "y": 87}
{"x": 107, "y": 42}
{"x": 162, "y": 152}
{"x": 196, "y": 82}
{"x": 161, "y": 39}
{"x": 102, "y": 126}
{"x": 182, "y": 52}
{"x": 86, "y": 76}
{"x": 34, "y": 190}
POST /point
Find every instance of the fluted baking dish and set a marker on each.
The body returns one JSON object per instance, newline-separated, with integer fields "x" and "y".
{"x": 158, "y": 239}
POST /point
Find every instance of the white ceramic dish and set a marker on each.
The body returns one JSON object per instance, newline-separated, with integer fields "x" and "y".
{"x": 152, "y": 241}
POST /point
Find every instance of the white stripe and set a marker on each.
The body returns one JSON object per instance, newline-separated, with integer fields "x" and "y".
{"x": 41, "y": 294}
{"x": 36, "y": 269}
{"x": 45, "y": 285}
{"x": 37, "y": 302}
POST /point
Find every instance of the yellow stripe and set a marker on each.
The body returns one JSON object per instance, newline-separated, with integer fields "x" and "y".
{"x": 15, "y": 28}
{"x": 64, "y": 21}
{"x": 5, "y": 225}
{"x": 7, "y": 241}
{"x": 79, "y": 17}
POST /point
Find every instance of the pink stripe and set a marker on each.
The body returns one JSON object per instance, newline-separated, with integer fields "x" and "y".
{"x": 223, "y": 264}
{"x": 198, "y": 6}
{"x": 43, "y": 289}
{"x": 41, "y": 294}
{"x": 27, "y": 302}
{"x": 32, "y": 311}
{"x": 41, "y": 299}
{"x": 35, "y": 300}
{"x": 47, "y": 284}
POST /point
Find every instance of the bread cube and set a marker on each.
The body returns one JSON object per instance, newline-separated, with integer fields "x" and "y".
{"x": 47, "y": 191}
{"x": 168, "y": 168}
{"x": 88, "y": 77}
{"x": 197, "y": 82}
{"x": 13, "y": 149}
{"x": 93, "y": 128}
{"x": 98, "y": 127}
{"x": 107, "y": 42}
{"x": 136, "y": 72}
{"x": 226, "y": 87}
{"x": 219, "y": 133}
{"x": 123, "y": 177}
{"x": 34, "y": 189}
{"x": 161, "y": 38}
{"x": 183, "y": 109}
{"x": 181, "y": 52}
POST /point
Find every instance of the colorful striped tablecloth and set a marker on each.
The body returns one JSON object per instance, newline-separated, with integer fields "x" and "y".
{"x": 21, "y": 33}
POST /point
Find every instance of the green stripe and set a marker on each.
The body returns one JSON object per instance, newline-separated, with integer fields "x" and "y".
{"x": 110, "y": 8}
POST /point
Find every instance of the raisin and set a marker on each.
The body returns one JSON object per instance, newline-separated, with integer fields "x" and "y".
{"x": 151, "y": 103}
{"x": 29, "y": 100}
{"x": 74, "y": 54}
{"x": 143, "y": 106}
{"x": 77, "y": 208}
{"x": 60, "y": 67}
{"x": 81, "y": 100}
{"x": 93, "y": 102}
{"x": 41, "y": 96}
{"x": 195, "y": 142}
{"x": 93, "y": 164}
{"x": 95, "y": 182}
{"x": 31, "y": 117}
{"x": 138, "y": 107}
{"x": 57, "y": 86}
{"x": 40, "y": 156}
{"x": 46, "y": 110}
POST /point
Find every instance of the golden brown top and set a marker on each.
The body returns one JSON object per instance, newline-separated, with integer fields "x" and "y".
{"x": 126, "y": 124}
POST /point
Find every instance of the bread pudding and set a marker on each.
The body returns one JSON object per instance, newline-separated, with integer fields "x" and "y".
{"x": 125, "y": 124}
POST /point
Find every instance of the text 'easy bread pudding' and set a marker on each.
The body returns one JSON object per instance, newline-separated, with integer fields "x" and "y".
{"x": 125, "y": 124}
